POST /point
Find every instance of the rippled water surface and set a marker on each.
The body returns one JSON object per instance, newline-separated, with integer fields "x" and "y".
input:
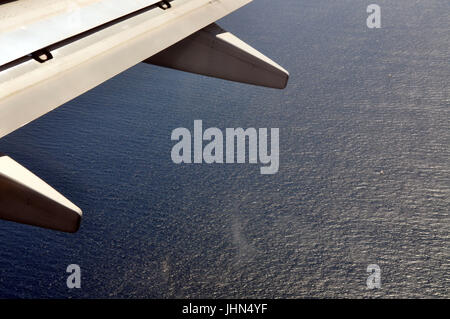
{"x": 364, "y": 169}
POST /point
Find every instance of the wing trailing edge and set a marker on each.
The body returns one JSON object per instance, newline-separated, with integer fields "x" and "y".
{"x": 215, "y": 52}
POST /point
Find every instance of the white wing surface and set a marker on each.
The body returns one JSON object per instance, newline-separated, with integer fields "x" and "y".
{"x": 52, "y": 51}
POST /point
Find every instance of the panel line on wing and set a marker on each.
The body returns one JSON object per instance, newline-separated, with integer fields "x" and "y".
{"x": 26, "y": 38}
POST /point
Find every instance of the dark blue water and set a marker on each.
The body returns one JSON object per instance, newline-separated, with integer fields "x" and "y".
{"x": 359, "y": 102}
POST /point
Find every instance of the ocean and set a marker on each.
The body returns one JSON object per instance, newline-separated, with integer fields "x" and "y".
{"x": 364, "y": 173}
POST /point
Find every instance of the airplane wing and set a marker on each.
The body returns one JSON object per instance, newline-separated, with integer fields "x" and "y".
{"x": 52, "y": 51}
